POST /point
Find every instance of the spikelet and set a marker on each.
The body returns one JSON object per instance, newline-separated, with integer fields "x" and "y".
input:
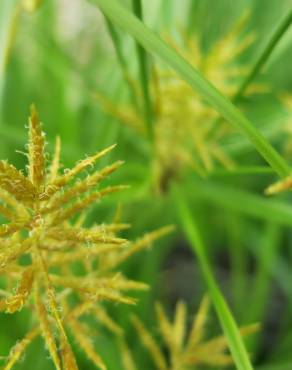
{"x": 106, "y": 320}
{"x": 106, "y": 288}
{"x": 38, "y": 211}
{"x": 15, "y": 183}
{"x": 199, "y": 323}
{"x": 15, "y": 303}
{"x": 36, "y": 151}
{"x": 55, "y": 165}
{"x": 18, "y": 208}
{"x": 67, "y": 356}
{"x": 81, "y": 337}
{"x": 82, "y": 235}
{"x": 111, "y": 261}
{"x": 14, "y": 249}
{"x": 282, "y": 185}
{"x": 82, "y": 186}
{"x": 18, "y": 350}
{"x": 185, "y": 352}
{"x": 80, "y": 166}
{"x": 217, "y": 347}
{"x": 47, "y": 332}
{"x": 126, "y": 356}
{"x": 165, "y": 326}
{"x": 151, "y": 345}
{"x": 80, "y": 205}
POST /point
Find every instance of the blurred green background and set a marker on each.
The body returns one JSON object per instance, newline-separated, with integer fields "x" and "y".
{"x": 59, "y": 56}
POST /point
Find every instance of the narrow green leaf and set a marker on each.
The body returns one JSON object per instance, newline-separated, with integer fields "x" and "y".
{"x": 260, "y": 295}
{"x": 151, "y": 42}
{"x": 238, "y": 260}
{"x": 144, "y": 73}
{"x": 238, "y": 171}
{"x": 122, "y": 62}
{"x": 267, "y": 257}
{"x": 241, "y": 201}
{"x": 224, "y": 314}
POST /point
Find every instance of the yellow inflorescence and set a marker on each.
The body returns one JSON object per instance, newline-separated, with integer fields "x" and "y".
{"x": 184, "y": 350}
{"x": 38, "y": 210}
{"x": 187, "y": 131}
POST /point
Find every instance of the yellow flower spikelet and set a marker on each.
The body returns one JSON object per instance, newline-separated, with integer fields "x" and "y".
{"x": 40, "y": 246}
{"x": 182, "y": 350}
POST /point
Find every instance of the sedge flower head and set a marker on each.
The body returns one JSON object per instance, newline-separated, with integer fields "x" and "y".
{"x": 187, "y": 132}
{"x": 182, "y": 349}
{"x": 42, "y": 242}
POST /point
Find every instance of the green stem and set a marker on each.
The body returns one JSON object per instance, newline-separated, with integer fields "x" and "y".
{"x": 144, "y": 73}
{"x": 262, "y": 58}
{"x": 151, "y": 42}
{"x": 193, "y": 14}
{"x": 224, "y": 314}
{"x": 117, "y": 46}
{"x": 238, "y": 259}
{"x": 260, "y": 295}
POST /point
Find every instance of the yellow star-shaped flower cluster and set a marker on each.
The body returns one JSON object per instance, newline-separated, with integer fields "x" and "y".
{"x": 182, "y": 350}
{"x": 49, "y": 259}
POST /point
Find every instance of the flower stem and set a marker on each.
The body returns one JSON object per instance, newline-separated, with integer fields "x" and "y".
{"x": 123, "y": 65}
{"x": 144, "y": 73}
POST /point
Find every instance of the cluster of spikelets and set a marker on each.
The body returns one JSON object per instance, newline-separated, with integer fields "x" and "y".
{"x": 43, "y": 244}
{"x": 182, "y": 349}
{"x": 187, "y": 131}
